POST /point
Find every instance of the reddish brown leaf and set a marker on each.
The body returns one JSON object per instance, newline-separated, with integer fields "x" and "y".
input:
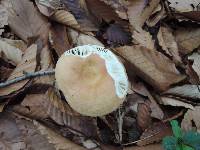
{"x": 144, "y": 115}
{"x": 4, "y": 73}
{"x": 155, "y": 133}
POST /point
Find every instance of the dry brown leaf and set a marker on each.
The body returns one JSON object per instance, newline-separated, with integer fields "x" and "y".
{"x": 102, "y": 11}
{"x": 59, "y": 38}
{"x": 144, "y": 115}
{"x": 83, "y": 39}
{"x": 12, "y": 53}
{"x": 143, "y": 38}
{"x": 119, "y": 6}
{"x": 184, "y": 5}
{"x": 155, "y": 133}
{"x": 11, "y": 136}
{"x": 66, "y": 18}
{"x": 195, "y": 57}
{"x": 4, "y": 73}
{"x": 188, "y": 39}
{"x": 46, "y": 63}
{"x": 3, "y": 18}
{"x": 185, "y": 91}
{"x": 158, "y": 14}
{"x": 167, "y": 42}
{"x": 190, "y": 117}
{"x": 148, "y": 147}
{"x": 57, "y": 140}
{"x": 26, "y": 21}
{"x": 116, "y": 35}
{"x": 62, "y": 114}
{"x": 139, "y": 11}
{"x": 152, "y": 66}
{"x": 175, "y": 102}
{"x": 54, "y": 4}
{"x": 33, "y": 106}
{"x": 28, "y": 64}
{"x": 16, "y": 43}
{"x": 80, "y": 13}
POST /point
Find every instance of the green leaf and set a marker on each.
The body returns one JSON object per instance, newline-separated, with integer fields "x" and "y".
{"x": 185, "y": 147}
{"x": 192, "y": 138}
{"x": 169, "y": 143}
{"x": 176, "y": 129}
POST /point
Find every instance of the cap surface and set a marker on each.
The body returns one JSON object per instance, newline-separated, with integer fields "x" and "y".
{"x": 92, "y": 79}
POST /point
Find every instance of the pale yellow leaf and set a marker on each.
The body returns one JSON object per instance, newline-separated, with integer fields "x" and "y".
{"x": 184, "y": 5}
{"x": 191, "y": 116}
{"x": 152, "y": 66}
{"x": 167, "y": 42}
{"x": 174, "y": 102}
{"x": 196, "y": 62}
{"x": 12, "y": 53}
{"x": 188, "y": 39}
{"x": 28, "y": 64}
{"x": 57, "y": 140}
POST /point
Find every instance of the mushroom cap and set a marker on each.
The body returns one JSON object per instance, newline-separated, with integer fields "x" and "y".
{"x": 92, "y": 79}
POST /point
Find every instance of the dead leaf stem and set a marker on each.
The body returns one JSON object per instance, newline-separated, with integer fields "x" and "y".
{"x": 27, "y": 76}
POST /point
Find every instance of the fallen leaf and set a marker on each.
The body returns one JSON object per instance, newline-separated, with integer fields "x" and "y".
{"x": 144, "y": 115}
{"x": 188, "y": 39}
{"x": 167, "y": 42}
{"x": 175, "y": 102}
{"x": 28, "y": 64}
{"x": 184, "y": 5}
{"x": 195, "y": 57}
{"x": 46, "y": 63}
{"x": 101, "y": 11}
{"x": 185, "y": 91}
{"x": 139, "y": 11}
{"x": 16, "y": 43}
{"x": 32, "y": 106}
{"x": 190, "y": 117}
{"x": 152, "y": 66}
{"x": 54, "y": 4}
{"x": 59, "y": 38}
{"x": 26, "y": 21}
{"x": 79, "y": 39}
{"x": 80, "y": 14}
{"x": 155, "y": 133}
{"x": 147, "y": 147}
{"x": 45, "y": 7}
{"x": 192, "y": 75}
{"x": 66, "y": 18}
{"x": 116, "y": 35}
{"x": 158, "y": 14}
{"x": 4, "y": 73}
{"x": 11, "y": 136}
{"x": 62, "y": 114}
{"x": 12, "y": 53}
{"x": 56, "y": 139}
{"x": 119, "y": 6}
{"x": 3, "y": 18}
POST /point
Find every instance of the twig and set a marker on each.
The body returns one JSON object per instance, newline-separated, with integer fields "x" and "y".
{"x": 27, "y": 76}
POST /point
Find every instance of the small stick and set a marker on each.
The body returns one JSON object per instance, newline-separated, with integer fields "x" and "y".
{"x": 27, "y": 76}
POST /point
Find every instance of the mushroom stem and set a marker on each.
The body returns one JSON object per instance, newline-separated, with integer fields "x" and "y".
{"x": 27, "y": 75}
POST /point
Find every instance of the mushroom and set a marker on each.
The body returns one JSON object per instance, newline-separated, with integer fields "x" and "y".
{"x": 92, "y": 79}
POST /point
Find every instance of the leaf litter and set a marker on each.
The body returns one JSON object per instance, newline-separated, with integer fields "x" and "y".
{"x": 157, "y": 41}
